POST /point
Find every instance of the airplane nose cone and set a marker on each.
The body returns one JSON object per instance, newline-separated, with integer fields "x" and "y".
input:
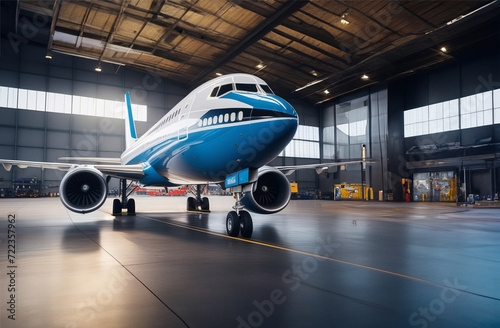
{"x": 275, "y": 122}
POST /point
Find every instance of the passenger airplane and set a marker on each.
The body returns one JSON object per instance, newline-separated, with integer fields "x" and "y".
{"x": 225, "y": 131}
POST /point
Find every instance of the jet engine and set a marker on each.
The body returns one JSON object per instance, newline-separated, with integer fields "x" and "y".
{"x": 83, "y": 189}
{"x": 270, "y": 193}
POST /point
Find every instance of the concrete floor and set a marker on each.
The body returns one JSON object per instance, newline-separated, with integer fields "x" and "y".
{"x": 316, "y": 264}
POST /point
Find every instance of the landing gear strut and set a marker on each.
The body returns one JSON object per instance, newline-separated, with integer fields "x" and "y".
{"x": 125, "y": 203}
{"x": 198, "y": 203}
{"x": 239, "y": 220}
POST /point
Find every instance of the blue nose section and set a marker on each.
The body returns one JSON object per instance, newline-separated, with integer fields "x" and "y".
{"x": 274, "y": 123}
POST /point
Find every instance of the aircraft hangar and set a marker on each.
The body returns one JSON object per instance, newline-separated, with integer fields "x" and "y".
{"x": 394, "y": 168}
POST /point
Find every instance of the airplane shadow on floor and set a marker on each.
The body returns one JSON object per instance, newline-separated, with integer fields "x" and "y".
{"x": 83, "y": 238}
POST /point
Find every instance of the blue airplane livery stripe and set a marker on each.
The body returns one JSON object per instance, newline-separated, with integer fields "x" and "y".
{"x": 194, "y": 136}
{"x": 195, "y": 151}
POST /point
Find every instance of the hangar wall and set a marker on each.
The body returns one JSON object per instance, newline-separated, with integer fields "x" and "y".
{"x": 45, "y": 136}
{"x": 308, "y": 180}
{"x": 348, "y": 123}
{"x": 469, "y": 152}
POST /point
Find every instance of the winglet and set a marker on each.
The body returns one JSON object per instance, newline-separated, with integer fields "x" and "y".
{"x": 130, "y": 134}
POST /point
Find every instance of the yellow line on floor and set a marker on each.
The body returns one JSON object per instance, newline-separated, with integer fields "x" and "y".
{"x": 295, "y": 251}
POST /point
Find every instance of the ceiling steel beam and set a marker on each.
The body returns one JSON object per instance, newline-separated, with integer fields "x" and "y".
{"x": 380, "y": 61}
{"x": 315, "y": 48}
{"x": 117, "y": 21}
{"x": 55, "y": 16}
{"x": 154, "y": 11}
{"x": 281, "y": 14}
{"x": 84, "y": 22}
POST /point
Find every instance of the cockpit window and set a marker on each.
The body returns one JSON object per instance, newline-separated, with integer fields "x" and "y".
{"x": 246, "y": 87}
{"x": 214, "y": 91}
{"x": 224, "y": 89}
{"x": 266, "y": 89}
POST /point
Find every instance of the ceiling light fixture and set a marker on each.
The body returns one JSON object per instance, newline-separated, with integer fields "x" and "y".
{"x": 218, "y": 74}
{"x": 309, "y": 85}
{"x": 443, "y": 49}
{"x": 326, "y": 92}
{"x": 260, "y": 66}
{"x": 48, "y": 55}
{"x": 98, "y": 68}
{"x": 365, "y": 77}
{"x": 343, "y": 19}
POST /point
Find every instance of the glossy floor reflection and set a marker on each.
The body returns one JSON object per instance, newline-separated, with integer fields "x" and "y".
{"x": 316, "y": 264}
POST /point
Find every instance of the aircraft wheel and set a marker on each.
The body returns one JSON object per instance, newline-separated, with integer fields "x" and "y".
{"x": 131, "y": 206}
{"x": 205, "y": 204}
{"x": 117, "y": 207}
{"x": 232, "y": 224}
{"x": 190, "y": 204}
{"x": 246, "y": 224}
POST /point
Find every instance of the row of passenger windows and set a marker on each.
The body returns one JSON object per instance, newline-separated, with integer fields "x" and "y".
{"x": 170, "y": 117}
{"x": 248, "y": 87}
{"x": 222, "y": 118}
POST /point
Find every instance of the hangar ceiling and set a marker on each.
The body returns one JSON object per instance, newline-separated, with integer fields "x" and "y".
{"x": 301, "y": 47}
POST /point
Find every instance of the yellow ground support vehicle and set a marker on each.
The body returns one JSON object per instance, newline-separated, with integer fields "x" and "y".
{"x": 352, "y": 191}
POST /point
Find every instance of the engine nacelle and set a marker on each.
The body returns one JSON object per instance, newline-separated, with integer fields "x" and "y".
{"x": 83, "y": 189}
{"x": 270, "y": 193}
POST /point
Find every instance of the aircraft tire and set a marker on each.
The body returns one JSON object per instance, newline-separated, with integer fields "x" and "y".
{"x": 131, "y": 206}
{"x": 233, "y": 224}
{"x": 117, "y": 207}
{"x": 190, "y": 204}
{"x": 205, "y": 204}
{"x": 246, "y": 224}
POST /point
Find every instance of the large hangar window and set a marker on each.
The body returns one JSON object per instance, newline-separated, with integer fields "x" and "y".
{"x": 467, "y": 112}
{"x": 67, "y": 104}
{"x": 329, "y": 133}
{"x": 476, "y": 110}
{"x": 352, "y": 128}
{"x": 496, "y": 105}
{"x": 305, "y": 143}
{"x": 8, "y": 97}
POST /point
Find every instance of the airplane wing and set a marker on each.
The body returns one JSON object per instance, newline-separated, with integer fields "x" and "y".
{"x": 319, "y": 167}
{"x": 131, "y": 172}
{"x": 7, "y": 164}
{"x": 108, "y": 160}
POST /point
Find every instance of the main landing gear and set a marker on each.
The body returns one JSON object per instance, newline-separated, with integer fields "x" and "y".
{"x": 239, "y": 220}
{"x": 125, "y": 203}
{"x": 197, "y": 203}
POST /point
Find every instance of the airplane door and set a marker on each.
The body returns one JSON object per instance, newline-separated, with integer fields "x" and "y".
{"x": 183, "y": 130}
{"x": 183, "y": 120}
